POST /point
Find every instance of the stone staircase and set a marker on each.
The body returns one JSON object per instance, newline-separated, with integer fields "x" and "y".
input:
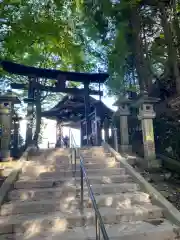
{"x": 45, "y": 202}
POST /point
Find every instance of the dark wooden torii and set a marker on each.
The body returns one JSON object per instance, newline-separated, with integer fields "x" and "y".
{"x": 61, "y": 77}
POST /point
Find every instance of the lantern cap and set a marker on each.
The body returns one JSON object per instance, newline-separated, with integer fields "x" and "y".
{"x": 122, "y": 99}
{"x": 9, "y": 97}
{"x": 143, "y": 98}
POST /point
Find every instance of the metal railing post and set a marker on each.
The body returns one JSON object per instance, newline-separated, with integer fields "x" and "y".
{"x": 82, "y": 190}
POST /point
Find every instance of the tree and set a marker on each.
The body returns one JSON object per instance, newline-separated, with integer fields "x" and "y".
{"x": 42, "y": 34}
{"x": 141, "y": 39}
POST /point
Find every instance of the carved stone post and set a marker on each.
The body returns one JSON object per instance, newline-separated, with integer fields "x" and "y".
{"x": 146, "y": 115}
{"x": 123, "y": 111}
{"x": 6, "y": 106}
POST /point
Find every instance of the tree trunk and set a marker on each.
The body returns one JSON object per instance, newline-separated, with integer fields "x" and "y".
{"x": 141, "y": 63}
{"x": 172, "y": 54}
{"x": 175, "y": 25}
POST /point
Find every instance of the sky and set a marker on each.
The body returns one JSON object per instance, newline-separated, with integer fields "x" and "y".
{"x": 49, "y": 134}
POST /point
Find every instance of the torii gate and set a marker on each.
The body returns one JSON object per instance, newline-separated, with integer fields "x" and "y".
{"x": 61, "y": 77}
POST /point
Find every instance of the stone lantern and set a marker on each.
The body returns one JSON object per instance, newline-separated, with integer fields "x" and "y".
{"x": 7, "y": 102}
{"x": 123, "y": 112}
{"x": 146, "y": 115}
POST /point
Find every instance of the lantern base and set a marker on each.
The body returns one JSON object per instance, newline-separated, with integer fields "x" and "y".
{"x": 5, "y": 155}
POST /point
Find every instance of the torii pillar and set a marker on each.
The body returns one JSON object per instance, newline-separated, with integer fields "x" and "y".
{"x": 146, "y": 116}
{"x": 7, "y": 102}
{"x": 123, "y": 112}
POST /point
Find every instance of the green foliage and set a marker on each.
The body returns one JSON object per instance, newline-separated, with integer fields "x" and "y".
{"x": 44, "y": 34}
{"x": 110, "y": 23}
{"x": 35, "y": 31}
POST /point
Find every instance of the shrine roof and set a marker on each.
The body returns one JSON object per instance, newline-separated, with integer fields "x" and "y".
{"x": 71, "y": 108}
{"x": 20, "y": 69}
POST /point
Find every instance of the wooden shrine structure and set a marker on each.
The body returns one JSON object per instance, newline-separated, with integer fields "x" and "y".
{"x": 61, "y": 78}
{"x": 70, "y": 111}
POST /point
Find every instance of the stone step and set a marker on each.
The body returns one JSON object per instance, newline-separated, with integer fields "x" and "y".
{"x": 92, "y": 149}
{"x": 117, "y": 200}
{"x": 99, "y": 160}
{"x": 71, "y": 201}
{"x": 41, "y": 157}
{"x": 68, "y": 166}
{"x": 97, "y": 188}
{"x": 56, "y": 182}
{"x": 100, "y": 172}
{"x": 45, "y": 183}
{"x": 108, "y": 179}
{"x": 69, "y": 191}
{"x": 36, "y": 194}
{"x": 90, "y": 152}
{"x": 43, "y": 167}
{"x": 113, "y": 188}
{"x": 94, "y": 179}
{"x": 131, "y": 231}
{"x": 67, "y": 219}
{"x": 99, "y": 165}
{"x": 94, "y": 154}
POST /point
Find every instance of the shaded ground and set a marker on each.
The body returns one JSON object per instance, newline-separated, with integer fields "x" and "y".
{"x": 167, "y": 183}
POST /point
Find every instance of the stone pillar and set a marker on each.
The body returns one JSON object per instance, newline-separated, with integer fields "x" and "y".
{"x": 123, "y": 111}
{"x": 6, "y": 106}
{"x": 115, "y": 139}
{"x": 124, "y": 130}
